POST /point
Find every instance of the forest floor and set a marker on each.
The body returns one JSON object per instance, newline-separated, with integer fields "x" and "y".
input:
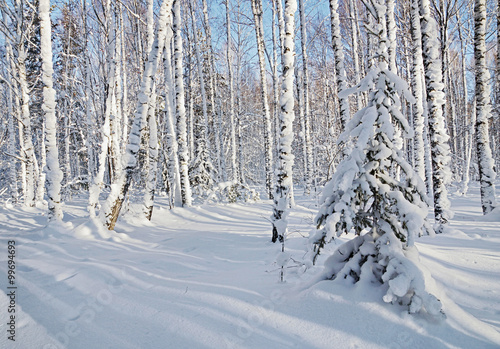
{"x": 206, "y": 277}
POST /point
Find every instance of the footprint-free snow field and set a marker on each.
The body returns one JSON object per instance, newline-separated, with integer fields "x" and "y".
{"x": 206, "y": 277}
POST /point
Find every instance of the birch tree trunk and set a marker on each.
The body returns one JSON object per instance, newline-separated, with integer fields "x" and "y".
{"x": 338, "y": 52}
{"x": 268, "y": 140}
{"x": 440, "y": 150}
{"x": 173, "y": 170}
{"x": 417, "y": 89}
{"x": 284, "y": 183}
{"x": 180, "y": 107}
{"x": 307, "y": 110}
{"x": 117, "y": 195}
{"x": 12, "y": 173}
{"x": 54, "y": 174}
{"x": 487, "y": 174}
{"x": 234, "y": 168}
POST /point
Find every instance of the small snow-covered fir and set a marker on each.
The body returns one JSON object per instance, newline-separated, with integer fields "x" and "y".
{"x": 363, "y": 197}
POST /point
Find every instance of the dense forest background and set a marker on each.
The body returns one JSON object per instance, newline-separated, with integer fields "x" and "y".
{"x": 209, "y": 118}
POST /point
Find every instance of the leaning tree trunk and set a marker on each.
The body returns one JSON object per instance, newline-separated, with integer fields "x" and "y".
{"x": 118, "y": 193}
{"x": 483, "y": 110}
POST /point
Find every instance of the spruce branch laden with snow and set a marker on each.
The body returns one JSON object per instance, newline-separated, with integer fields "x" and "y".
{"x": 385, "y": 213}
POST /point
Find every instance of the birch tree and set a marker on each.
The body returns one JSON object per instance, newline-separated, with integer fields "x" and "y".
{"x": 54, "y": 174}
{"x": 114, "y": 202}
{"x": 281, "y": 197}
{"x": 234, "y": 167}
{"x": 180, "y": 108}
{"x": 483, "y": 110}
{"x": 307, "y": 110}
{"x": 268, "y": 138}
{"x": 440, "y": 150}
{"x": 417, "y": 76}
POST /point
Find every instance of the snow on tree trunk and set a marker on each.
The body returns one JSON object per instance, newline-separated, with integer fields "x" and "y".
{"x": 29, "y": 155}
{"x": 268, "y": 135}
{"x": 54, "y": 174}
{"x": 362, "y": 196}
{"x": 483, "y": 110}
{"x": 12, "y": 176}
{"x": 114, "y": 202}
{"x": 470, "y": 120}
{"x": 180, "y": 107}
{"x": 281, "y": 197}
{"x": 234, "y": 168}
{"x": 106, "y": 142}
{"x": 417, "y": 89}
{"x": 171, "y": 145}
{"x": 307, "y": 110}
{"x": 353, "y": 14}
{"x": 152, "y": 169}
{"x": 338, "y": 51}
{"x": 391, "y": 36}
{"x": 440, "y": 150}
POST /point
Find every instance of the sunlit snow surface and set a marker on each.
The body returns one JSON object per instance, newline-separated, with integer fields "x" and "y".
{"x": 206, "y": 277}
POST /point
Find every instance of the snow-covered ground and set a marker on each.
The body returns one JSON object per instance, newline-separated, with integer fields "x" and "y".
{"x": 206, "y": 277}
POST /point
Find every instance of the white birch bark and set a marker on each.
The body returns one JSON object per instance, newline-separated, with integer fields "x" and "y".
{"x": 152, "y": 168}
{"x": 284, "y": 183}
{"x": 114, "y": 202}
{"x": 487, "y": 174}
{"x": 417, "y": 89}
{"x": 12, "y": 173}
{"x": 268, "y": 142}
{"x": 340, "y": 74}
{"x": 307, "y": 110}
{"x": 180, "y": 107}
{"x": 234, "y": 168}
{"x": 440, "y": 150}
{"x": 54, "y": 174}
{"x": 173, "y": 169}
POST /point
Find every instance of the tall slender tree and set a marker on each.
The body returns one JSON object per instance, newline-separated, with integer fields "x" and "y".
{"x": 440, "y": 150}
{"x": 268, "y": 135}
{"x": 281, "y": 197}
{"x": 54, "y": 174}
{"x": 483, "y": 110}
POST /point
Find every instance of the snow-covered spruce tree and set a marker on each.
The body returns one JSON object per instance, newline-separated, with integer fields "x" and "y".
{"x": 180, "y": 108}
{"x": 483, "y": 110}
{"x": 362, "y": 197}
{"x": 440, "y": 150}
{"x": 115, "y": 199}
{"x": 284, "y": 183}
{"x": 54, "y": 174}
